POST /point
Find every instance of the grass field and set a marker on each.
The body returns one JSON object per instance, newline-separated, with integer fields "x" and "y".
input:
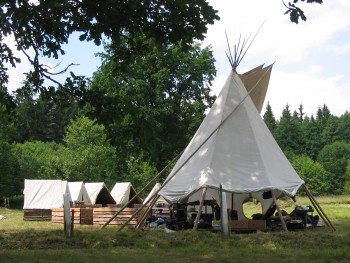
{"x": 23, "y": 241}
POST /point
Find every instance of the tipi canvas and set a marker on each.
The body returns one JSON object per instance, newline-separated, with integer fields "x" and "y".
{"x": 234, "y": 149}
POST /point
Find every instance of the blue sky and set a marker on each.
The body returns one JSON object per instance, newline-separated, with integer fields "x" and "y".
{"x": 311, "y": 58}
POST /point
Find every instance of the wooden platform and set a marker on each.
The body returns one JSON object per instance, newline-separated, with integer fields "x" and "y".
{"x": 82, "y": 215}
{"x": 239, "y": 225}
{"x": 103, "y": 214}
{"x": 37, "y": 214}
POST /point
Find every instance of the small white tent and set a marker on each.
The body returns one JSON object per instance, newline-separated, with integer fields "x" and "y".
{"x": 99, "y": 194}
{"x": 160, "y": 199}
{"x": 123, "y": 192}
{"x": 78, "y": 192}
{"x": 44, "y": 194}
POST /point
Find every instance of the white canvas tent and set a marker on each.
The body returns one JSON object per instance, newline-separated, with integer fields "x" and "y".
{"x": 151, "y": 194}
{"x": 99, "y": 194}
{"x": 123, "y": 192}
{"x": 78, "y": 192}
{"x": 44, "y": 194}
{"x": 233, "y": 148}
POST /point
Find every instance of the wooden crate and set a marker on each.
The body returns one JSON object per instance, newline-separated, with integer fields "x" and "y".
{"x": 37, "y": 214}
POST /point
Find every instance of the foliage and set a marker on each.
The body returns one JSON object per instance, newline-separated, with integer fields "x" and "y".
{"x": 269, "y": 118}
{"x": 87, "y": 157}
{"x": 90, "y": 156}
{"x": 140, "y": 172}
{"x": 295, "y": 12}
{"x": 313, "y": 173}
{"x": 8, "y": 174}
{"x": 288, "y": 133}
{"x": 43, "y": 117}
{"x": 151, "y": 99}
{"x": 334, "y": 158}
{"x": 39, "y": 160}
{"x": 45, "y": 26}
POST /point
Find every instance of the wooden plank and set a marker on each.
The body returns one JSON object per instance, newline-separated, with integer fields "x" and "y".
{"x": 114, "y": 209}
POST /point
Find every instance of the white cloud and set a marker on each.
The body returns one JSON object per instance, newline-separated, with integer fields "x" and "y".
{"x": 305, "y": 71}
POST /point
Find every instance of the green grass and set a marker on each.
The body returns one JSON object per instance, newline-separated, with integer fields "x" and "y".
{"x": 23, "y": 241}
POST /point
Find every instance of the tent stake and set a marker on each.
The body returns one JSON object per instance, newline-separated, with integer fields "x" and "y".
{"x": 318, "y": 207}
{"x": 279, "y": 213}
{"x": 195, "y": 226}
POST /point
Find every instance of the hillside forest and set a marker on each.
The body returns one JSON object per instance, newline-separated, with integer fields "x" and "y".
{"x": 138, "y": 111}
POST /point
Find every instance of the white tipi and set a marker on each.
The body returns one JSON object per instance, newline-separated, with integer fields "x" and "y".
{"x": 232, "y": 148}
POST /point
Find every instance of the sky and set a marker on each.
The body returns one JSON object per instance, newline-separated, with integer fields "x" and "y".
{"x": 311, "y": 59}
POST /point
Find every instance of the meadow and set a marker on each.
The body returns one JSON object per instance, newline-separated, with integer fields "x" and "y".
{"x": 25, "y": 241}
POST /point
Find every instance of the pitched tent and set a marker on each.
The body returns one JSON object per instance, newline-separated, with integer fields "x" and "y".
{"x": 160, "y": 199}
{"x": 234, "y": 149}
{"x": 99, "y": 194}
{"x": 44, "y": 194}
{"x": 123, "y": 192}
{"x": 78, "y": 192}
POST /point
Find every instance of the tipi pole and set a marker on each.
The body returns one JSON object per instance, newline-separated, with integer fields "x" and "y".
{"x": 143, "y": 216}
{"x": 319, "y": 211}
{"x": 184, "y": 163}
{"x": 195, "y": 226}
{"x": 279, "y": 213}
{"x": 318, "y": 207}
{"x": 148, "y": 184}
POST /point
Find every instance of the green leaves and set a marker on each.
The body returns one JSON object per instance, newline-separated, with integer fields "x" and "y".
{"x": 45, "y": 26}
{"x": 295, "y": 12}
{"x": 151, "y": 97}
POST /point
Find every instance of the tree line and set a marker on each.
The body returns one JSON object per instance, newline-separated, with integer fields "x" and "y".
{"x": 128, "y": 124}
{"x": 317, "y": 146}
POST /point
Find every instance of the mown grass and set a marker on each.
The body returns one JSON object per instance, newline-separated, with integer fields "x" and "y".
{"x": 23, "y": 241}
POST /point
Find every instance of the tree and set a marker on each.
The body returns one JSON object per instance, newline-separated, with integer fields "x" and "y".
{"x": 347, "y": 180}
{"x": 343, "y": 128}
{"x": 9, "y": 182}
{"x": 152, "y": 106}
{"x": 313, "y": 173}
{"x": 90, "y": 157}
{"x": 295, "y": 12}
{"x": 45, "y": 26}
{"x": 334, "y": 158}
{"x": 269, "y": 118}
{"x": 312, "y": 131}
{"x": 288, "y": 133}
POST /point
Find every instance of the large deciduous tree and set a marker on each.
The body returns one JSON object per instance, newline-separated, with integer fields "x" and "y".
{"x": 152, "y": 99}
{"x": 41, "y": 28}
